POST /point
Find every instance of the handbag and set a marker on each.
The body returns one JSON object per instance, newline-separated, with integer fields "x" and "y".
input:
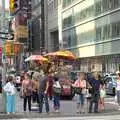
{"x": 77, "y": 90}
{"x": 57, "y": 90}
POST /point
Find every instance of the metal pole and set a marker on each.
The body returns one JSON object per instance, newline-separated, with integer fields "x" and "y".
{"x": 3, "y": 26}
{"x": 2, "y": 97}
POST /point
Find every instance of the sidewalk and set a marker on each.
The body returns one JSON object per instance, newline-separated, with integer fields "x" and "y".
{"x": 68, "y": 108}
{"x": 53, "y": 115}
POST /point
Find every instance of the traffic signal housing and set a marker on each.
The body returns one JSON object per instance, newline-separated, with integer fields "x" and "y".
{"x": 14, "y": 5}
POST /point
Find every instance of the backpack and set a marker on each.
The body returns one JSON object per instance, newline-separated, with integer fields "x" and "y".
{"x": 57, "y": 88}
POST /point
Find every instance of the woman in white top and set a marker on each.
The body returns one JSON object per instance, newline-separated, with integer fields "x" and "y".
{"x": 118, "y": 90}
{"x": 10, "y": 91}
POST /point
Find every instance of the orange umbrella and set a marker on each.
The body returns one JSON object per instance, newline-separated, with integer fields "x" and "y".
{"x": 65, "y": 54}
{"x": 50, "y": 54}
{"x": 36, "y": 57}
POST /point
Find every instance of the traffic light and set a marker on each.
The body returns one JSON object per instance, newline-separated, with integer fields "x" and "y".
{"x": 14, "y": 5}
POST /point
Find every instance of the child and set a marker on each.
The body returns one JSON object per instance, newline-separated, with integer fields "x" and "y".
{"x": 102, "y": 96}
{"x": 56, "y": 94}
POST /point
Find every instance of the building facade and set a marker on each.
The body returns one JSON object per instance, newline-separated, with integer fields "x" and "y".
{"x": 39, "y": 26}
{"x": 91, "y": 30}
{"x": 53, "y": 41}
{"x": 36, "y": 27}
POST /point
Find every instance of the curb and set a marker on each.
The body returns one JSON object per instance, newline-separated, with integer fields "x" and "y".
{"x": 51, "y": 115}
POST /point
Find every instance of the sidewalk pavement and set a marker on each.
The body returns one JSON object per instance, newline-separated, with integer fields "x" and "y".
{"x": 110, "y": 117}
{"x": 68, "y": 108}
{"x": 34, "y": 116}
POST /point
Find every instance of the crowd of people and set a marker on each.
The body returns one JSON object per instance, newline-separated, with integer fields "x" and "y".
{"x": 40, "y": 88}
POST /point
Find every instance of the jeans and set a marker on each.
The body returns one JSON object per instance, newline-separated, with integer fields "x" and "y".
{"x": 56, "y": 101}
{"x": 43, "y": 99}
{"x": 81, "y": 99}
{"x": 27, "y": 99}
{"x": 10, "y": 106}
{"x": 35, "y": 97}
{"x": 118, "y": 97}
{"x": 94, "y": 100}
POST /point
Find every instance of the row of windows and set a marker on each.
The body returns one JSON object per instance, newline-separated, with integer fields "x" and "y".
{"x": 99, "y": 7}
{"x": 35, "y": 2}
{"x": 66, "y": 3}
{"x": 106, "y": 32}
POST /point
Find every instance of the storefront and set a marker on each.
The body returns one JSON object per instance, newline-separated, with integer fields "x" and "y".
{"x": 109, "y": 63}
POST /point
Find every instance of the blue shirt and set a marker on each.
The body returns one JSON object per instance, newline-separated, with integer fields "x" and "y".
{"x": 95, "y": 83}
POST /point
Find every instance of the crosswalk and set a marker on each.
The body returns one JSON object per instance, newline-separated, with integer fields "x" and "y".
{"x": 110, "y": 117}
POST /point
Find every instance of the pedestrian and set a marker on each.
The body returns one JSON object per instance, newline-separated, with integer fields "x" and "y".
{"x": 35, "y": 79}
{"x": 27, "y": 87}
{"x": 10, "y": 91}
{"x": 56, "y": 94}
{"x": 118, "y": 90}
{"x": 81, "y": 85}
{"x": 43, "y": 93}
{"x": 50, "y": 79}
{"x": 0, "y": 83}
{"x": 102, "y": 97}
{"x": 95, "y": 91}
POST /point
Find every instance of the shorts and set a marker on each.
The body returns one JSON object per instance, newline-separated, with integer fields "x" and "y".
{"x": 81, "y": 99}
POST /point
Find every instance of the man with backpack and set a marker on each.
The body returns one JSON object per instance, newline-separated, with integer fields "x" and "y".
{"x": 56, "y": 94}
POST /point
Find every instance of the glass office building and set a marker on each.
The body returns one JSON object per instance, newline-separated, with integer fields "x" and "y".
{"x": 91, "y": 30}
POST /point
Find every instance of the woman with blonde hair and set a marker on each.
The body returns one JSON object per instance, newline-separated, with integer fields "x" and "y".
{"x": 80, "y": 85}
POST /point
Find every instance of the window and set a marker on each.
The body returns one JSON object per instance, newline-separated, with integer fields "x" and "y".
{"x": 88, "y": 8}
{"x": 66, "y": 3}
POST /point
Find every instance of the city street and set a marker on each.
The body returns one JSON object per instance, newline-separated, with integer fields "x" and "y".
{"x": 68, "y": 108}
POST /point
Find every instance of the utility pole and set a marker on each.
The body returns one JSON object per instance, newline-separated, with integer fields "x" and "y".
{"x": 2, "y": 97}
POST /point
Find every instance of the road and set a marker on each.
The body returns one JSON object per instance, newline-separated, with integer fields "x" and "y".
{"x": 69, "y": 106}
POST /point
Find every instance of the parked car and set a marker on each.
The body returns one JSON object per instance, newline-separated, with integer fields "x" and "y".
{"x": 66, "y": 88}
{"x": 111, "y": 85}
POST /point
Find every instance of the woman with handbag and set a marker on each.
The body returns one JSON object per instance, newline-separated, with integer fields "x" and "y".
{"x": 80, "y": 91}
{"x": 10, "y": 91}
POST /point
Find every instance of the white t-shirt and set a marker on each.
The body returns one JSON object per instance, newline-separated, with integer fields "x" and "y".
{"x": 57, "y": 84}
{"x": 9, "y": 88}
{"x": 118, "y": 86}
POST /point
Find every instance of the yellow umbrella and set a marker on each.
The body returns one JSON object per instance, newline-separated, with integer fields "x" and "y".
{"x": 65, "y": 54}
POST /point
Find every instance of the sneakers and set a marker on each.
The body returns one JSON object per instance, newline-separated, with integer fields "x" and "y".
{"x": 8, "y": 113}
{"x": 57, "y": 111}
{"x": 77, "y": 111}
